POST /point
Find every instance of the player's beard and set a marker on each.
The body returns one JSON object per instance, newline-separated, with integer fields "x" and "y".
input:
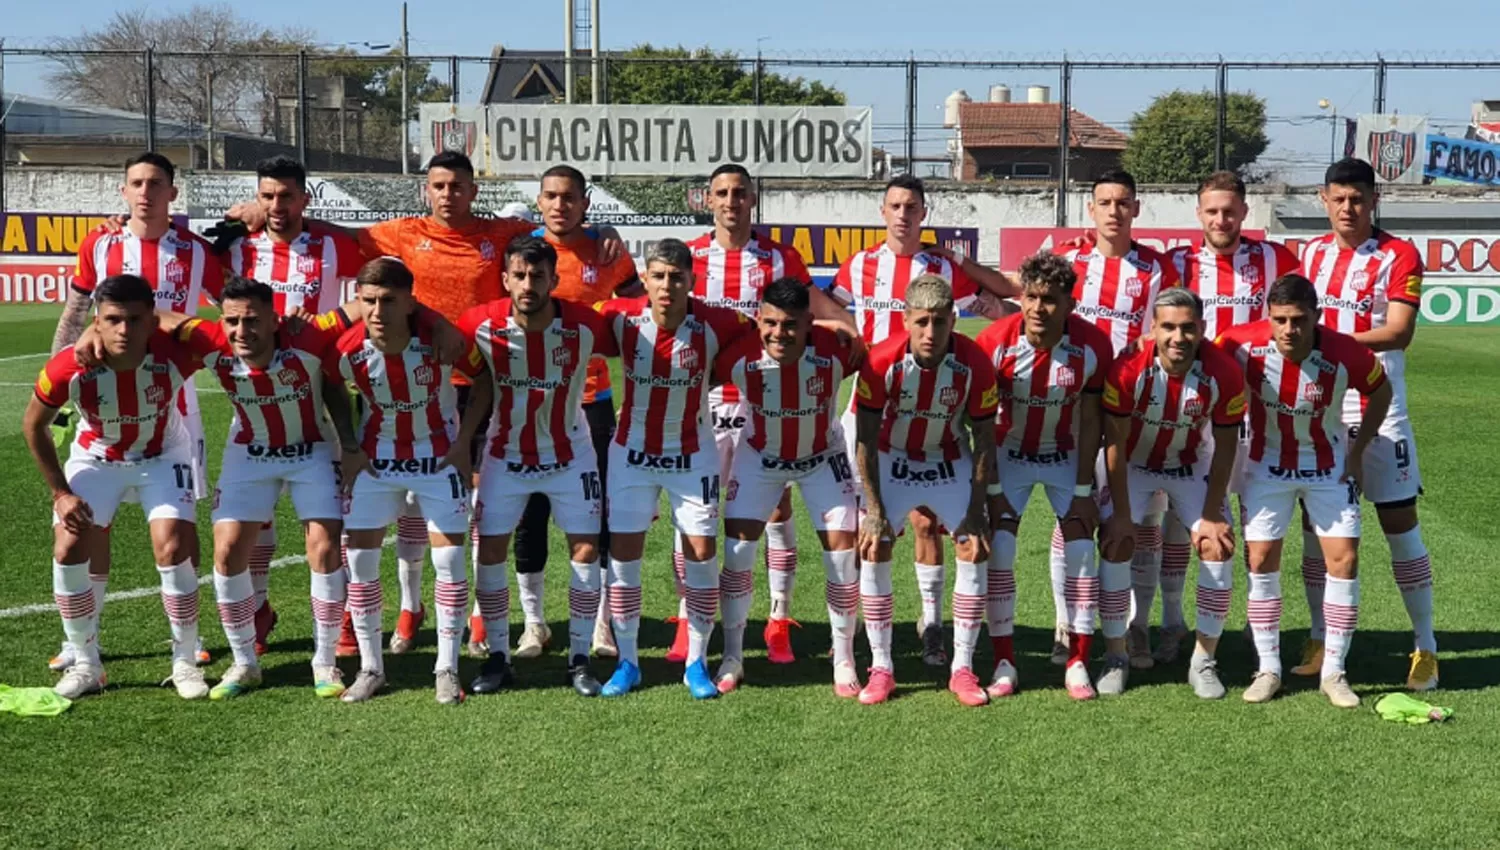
{"x": 1220, "y": 240}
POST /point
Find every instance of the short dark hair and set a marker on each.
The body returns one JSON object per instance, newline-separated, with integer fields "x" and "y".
{"x": 156, "y": 159}
{"x": 533, "y": 249}
{"x": 1223, "y": 181}
{"x": 452, "y": 161}
{"x": 730, "y": 168}
{"x": 282, "y": 167}
{"x": 673, "y": 252}
{"x": 1293, "y": 289}
{"x": 788, "y": 294}
{"x": 1350, "y": 172}
{"x": 245, "y": 289}
{"x": 908, "y": 182}
{"x": 385, "y": 271}
{"x": 1116, "y": 177}
{"x": 570, "y": 173}
{"x": 125, "y": 289}
{"x": 1049, "y": 271}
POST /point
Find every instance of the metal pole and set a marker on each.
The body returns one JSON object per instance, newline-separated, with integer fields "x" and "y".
{"x": 405, "y": 52}
{"x": 453, "y": 80}
{"x": 150, "y": 99}
{"x": 208, "y": 147}
{"x": 760, "y": 70}
{"x": 2, "y": 124}
{"x": 1065, "y": 105}
{"x": 301, "y": 116}
{"x": 568, "y": 24}
{"x": 1333, "y": 136}
{"x": 594, "y": 51}
{"x": 911, "y": 115}
{"x": 1380, "y": 71}
{"x": 1222, "y": 116}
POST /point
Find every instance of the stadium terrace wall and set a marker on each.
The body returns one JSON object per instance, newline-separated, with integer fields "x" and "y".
{"x": 1444, "y": 221}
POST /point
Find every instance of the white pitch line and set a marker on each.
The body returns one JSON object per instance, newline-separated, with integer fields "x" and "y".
{"x": 140, "y": 592}
{"x": 15, "y": 357}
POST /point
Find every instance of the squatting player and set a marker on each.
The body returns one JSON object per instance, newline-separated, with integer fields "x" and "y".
{"x": 1296, "y": 374}
{"x": 916, "y": 393}
{"x": 1163, "y": 399}
{"x": 787, "y": 376}
{"x": 1049, "y": 369}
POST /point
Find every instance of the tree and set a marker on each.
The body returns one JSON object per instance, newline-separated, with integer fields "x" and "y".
{"x": 1173, "y": 140}
{"x": 710, "y": 78}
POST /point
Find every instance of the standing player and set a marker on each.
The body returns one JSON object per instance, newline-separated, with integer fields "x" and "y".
{"x": 1050, "y": 367}
{"x": 411, "y": 443}
{"x": 540, "y": 446}
{"x": 1296, "y": 374}
{"x": 874, "y": 283}
{"x": 913, "y": 392}
{"x": 306, "y": 272}
{"x": 1370, "y": 284}
{"x": 1162, "y": 401}
{"x": 667, "y": 342}
{"x": 788, "y": 378}
{"x": 732, "y": 266}
{"x": 1230, "y": 272}
{"x": 128, "y": 440}
{"x": 581, "y": 278}
{"x": 181, "y": 269}
{"x": 1118, "y": 279}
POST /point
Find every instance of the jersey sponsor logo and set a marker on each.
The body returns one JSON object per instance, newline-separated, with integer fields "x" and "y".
{"x": 948, "y": 396}
{"x": 1067, "y": 377}
{"x": 807, "y": 464}
{"x": 924, "y": 475}
{"x": 44, "y": 383}
{"x": 728, "y": 423}
{"x": 290, "y": 288}
{"x": 687, "y": 359}
{"x": 156, "y": 394}
{"x": 1413, "y": 286}
{"x": 894, "y": 305}
{"x": 1111, "y": 394}
{"x": 306, "y": 264}
{"x": 1178, "y": 472}
{"x": 1288, "y": 474}
{"x": 294, "y": 451}
{"x": 1376, "y": 372}
{"x": 534, "y": 469}
{"x": 529, "y": 383}
{"x": 862, "y": 389}
{"x": 816, "y": 385}
{"x": 1089, "y": 311}
{"x": 991, "y": 398}
{"x": 1212, "y": 301}
{"x": 424, "y": 375}
{"x": 1236, "y": 406}
{"x": 666, "y": 463}
{"x": 1042, "y": 458}
{"x": 1362, "y": 305}
{"x": 174, "y": 272}
{"x": 692, "y": 380}
{"x": 562, "y": 358}
{"x": 407, "y": 466}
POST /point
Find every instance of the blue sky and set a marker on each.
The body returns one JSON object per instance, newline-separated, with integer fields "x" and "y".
{"x": 955, "y": 29}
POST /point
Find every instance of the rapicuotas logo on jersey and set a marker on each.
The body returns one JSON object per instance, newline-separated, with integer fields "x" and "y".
{"x": 815, "y": 385}
{"x": 948, "y": 396}
{"x": 156, "y": 394}
{"x": 1067, "y": 378}
{"x": 424, "y": 375}
{"x": 1313, "y": 393}
{"x": 306, "y": 264}
{"x": 562, "y": 358}
{"x": 687, "y": 358}
{"x": 174, "y": 272}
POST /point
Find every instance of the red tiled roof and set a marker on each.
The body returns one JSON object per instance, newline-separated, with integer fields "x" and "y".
{"x": 1032, "y": 125}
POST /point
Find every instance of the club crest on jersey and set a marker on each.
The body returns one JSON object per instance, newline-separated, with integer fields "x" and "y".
{"x": 174, "y": 272}
{"x": 816, "y": 385}
{"x": 1134, "y": 287}
{"x": 562, "y": 358}
{"x": 687, "y": 358}
{"x": 288, "y": 377}
{"x": 1192, "y": 408}
{"x": 156, "y": 394}
{"x": 590, "y": 273}
{"x": 1067, "y": 378}
{"x": 1312, "y": 393}
{"x": 486, "y": 251}
{"x": 1251, "y": 276}
{"x": 1358, "y": 278}
{"x": 756, "y": 278}
{"x": 948, "y": 396}
{"x": 424, "y": 375}
{"x": 306, "y": 264}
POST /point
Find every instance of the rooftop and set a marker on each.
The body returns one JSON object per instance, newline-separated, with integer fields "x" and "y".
{"x": 1032, "y": 125}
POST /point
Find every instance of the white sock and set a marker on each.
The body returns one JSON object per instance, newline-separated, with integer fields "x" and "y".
{"x": 842, "y": 595}
{"x": 1264, "y": 613}
{"x": 235, "y": 596}
{"x": 492, "y": 598}
{"x": 583, "y": 606}
{"x": 1314, "y": 581}
{"x": 179, "y": 598}
{"x": 73, "y": 592}
{"x": 1057, "y": 563}
{"x": 1081, "y": 591}
{"x": 969, "y": 582}
{"x": 625, "y": 607}
{"x": 876, "y": 599}
{"x": 781, "y": 566}
{"x": 1114, "y": 597}
{"x": 366, "y": 602}
{"x": 930, "y": 581}
{"x": 532, "y": 586}
{"x": 736, "y": 593}
{"x": 701, "y": 579}
{"x": 1176, "y": 554}
{"x": 329, "y": 595}
{"x": 1000, "y": 587}
{"x": 1215, "y": 581}
{"x": 1341, "y": 613}
{"x": 260, "y": 562}
{"x": 451, "y": 594}
{"x": 1413, "y": 571}
{"x": 1145, "y": 571}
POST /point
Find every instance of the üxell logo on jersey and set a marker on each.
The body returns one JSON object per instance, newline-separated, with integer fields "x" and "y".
{"x": 1460, "y": 304}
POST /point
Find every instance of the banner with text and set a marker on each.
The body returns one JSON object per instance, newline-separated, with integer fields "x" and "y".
{"x": 825, "y": 247}
{"x": 38, "y": 253}
{"x": 1462, "y": 160}
{"x": 671, "y": 141}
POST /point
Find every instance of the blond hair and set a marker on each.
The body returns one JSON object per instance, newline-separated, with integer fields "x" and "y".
{"x": 929, "y": 292}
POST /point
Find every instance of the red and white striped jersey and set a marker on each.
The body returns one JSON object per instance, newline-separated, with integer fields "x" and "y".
{"x": 666, "y": 373}
{"x": 307, "y": 273}
{"x": 539, "y": 378}
{"x": 1357, "y": 287}
{"x": 922, "y": 410}
{"x": 180, "y": 265}
{"x": 1169, "y": 414}
{"x": 282, "y": 404}
{"x": 1039, "y": 389}
{"x": 1295, "y": 429}
{"x": 1233, "y": 286}
{"x": 127, "y": 416}
{"x": 411, "y": 405}
{"x": 874, "y": 283}
{"x": 734, "y": 279}
{"x": 791, "y": 407}
{"x": 1116, "y": 293}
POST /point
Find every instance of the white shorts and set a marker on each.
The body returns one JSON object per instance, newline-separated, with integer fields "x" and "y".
{"x": 163, "y": 485}
{"x": 1154, "y": 502}
{"x": 943, "y": 487}
{"x": 851, "y": 442}
{"x": 1390, "y": 463}
{"x": 826, "y": 481}
{"x": 1057, "y": 472}
{"x": 195, "y": 449}
{"x": 442, "y": 495}
{"x": 636, "y": 481}
{"x": 252, "y": 478}
{"x": 574, "y": 491}
{"x": 1332, "y": 507}
{"x": 1185, "y": 495}
{"x": 729, "y": 423}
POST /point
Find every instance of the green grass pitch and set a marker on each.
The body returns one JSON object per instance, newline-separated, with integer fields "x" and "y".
{"x": 781, "y": 762}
